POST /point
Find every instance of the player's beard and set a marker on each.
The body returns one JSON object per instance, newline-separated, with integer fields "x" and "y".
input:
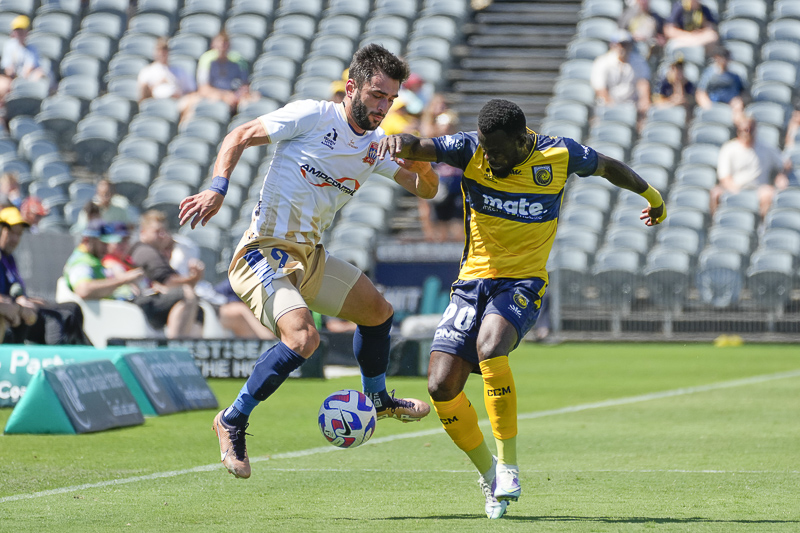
{"x": 361, "y": 114}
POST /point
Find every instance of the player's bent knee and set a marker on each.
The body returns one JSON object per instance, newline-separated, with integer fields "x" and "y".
{"x": 303, "y": 341}
{"x": 440, "y": 391}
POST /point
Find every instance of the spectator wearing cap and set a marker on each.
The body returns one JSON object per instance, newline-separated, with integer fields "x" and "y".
{"x": 30, "y": 319}
{"x": 338, "y": 91}
{"x": 674, "y": 89}
{"x": 152, "y": 253}
{"x": 161, "y": 80}
{"x": 621, "y": 75}
{"x": 222, "y": 74}
{"x": 690, "y": 24}
{"x": 718, "y": 84}
{"x": 415, "y": 93}
{"x": 33, "y": 211}
{"x": 19, "y": 60}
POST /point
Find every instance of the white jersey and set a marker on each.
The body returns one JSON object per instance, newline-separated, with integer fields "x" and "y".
{"x": 319, "y": 163}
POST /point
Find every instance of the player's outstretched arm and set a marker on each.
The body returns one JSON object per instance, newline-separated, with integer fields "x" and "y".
{"x": 413, "y": 155}
{"x": 200, "y": 207}
{"x": 623, "y": 176}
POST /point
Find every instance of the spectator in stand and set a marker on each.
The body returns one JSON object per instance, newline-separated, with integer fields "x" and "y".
{"x": 621, "y": 75}
{"x": 338, "y": 90}
{"x": 33, "y": 211}
{"x": 745, "y": 163}
{"x": 416, "y": 93}
{"x": 159, "y": 79}
{"x": 19, "y": 60}
{"x": 152, "y": 253}
{"x": 222, "y": 74}
{"x": 674, "y": 89}
{"x": 718, "y": 84}
{"x": 10, "y": 192}
{"x": 399, "y": 119}
{"x": 691, "y": 24}
{"x": 645, "y": 25}
{"x": 109, "y": 206}
{"x": 31, "y": 320}
{"x": 442, "y": 217}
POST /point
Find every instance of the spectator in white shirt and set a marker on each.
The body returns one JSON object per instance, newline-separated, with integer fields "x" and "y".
{"x": 746, "y": 163}
{"x": 159, "y": 79}
{"x": 621, "y": 75}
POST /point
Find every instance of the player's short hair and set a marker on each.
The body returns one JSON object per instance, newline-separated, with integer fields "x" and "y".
{"x": 373, "y": 58}
{"x": 501, "y": 115}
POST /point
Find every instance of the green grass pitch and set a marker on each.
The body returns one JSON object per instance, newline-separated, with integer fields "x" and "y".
{"x": 612, "y": 437}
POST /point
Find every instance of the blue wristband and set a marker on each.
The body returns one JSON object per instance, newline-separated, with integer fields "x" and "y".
{"x": 220, "y": 185}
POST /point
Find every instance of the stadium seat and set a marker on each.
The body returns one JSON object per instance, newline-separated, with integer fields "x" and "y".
{"x": 666, "y": 276}
{"x": 107, "y": 24}
{"x": 786, "y": 9}
{"x": 730, "y": 239}
{"x": 141, "y": 44}
{"x": 372, "y": 215}
{"x": 781, "y": 239}
{"x": 735, "y": 217}
{"x": 689, "y": 196}
{"x": 146, "y": 150}
{"x": 699, "y": 175}
{"x": 568, "y": 268}
{"x": 48, "y": 45}
{"x": 748, "y": 9}
{"x": 33, "y": 146}
{"x": 114, "y": 106}
{"x": 788, "y": 51}
{"x": 96, "y": 142}
{"x": 209, "y": 7}
{"x": 740, "y": 29}
{"x": 742, "y": 52}
{"x": 313, "y": 87}
{"x": 586, "y": 48}
{"x": 719, "y": 277}
{"x": 783, "y": 217}
{"x": 784, "y": 29}
{"x": 628, "y": 237}
{"x": 709, "y": 133}
{"x": 277, "y": 88}
{"x": 746, "y": 200}
{"x": 605, "y": 130}
{"x": 431, "y": 47}
{"x": 60, "y": 24}
{"x": 615, "y": 274}
{"x": 769, "y": 113}
{"x": 356, "y": 255}
{"x": 286, "y": 45}
{"x": 186, "y": 147}
{"x": 165, "y": 108}
{"x": 253, "y": 110}
{"x": 653, "y": 154}
{"x": 22, "y": 125}
{"x": 255, "y": 27}
{"x": 25, "y": 97}
{"x": 569, "y": 110}
{"x": 60, "y": 115}
{"x": 357, "y": 8}
{"x": 787, "y": 198}
{"x": 124, "y": 86}
{"x": 611, "y": 10}
{"x": 575, "y": 89}
{"x": 597, "y": 28}
{"x": 202, "y": 24}
{"x": 674, "y": 115}
{"x": 131, "y": 178}
{"x": 680, "y": 238}
{"x": 686, "y": 217}
{"x": 718, "y": 113}
{"x": 703, "y": 154}
{"x": 168, "y": 8}
{"x": 92, "y": 44}
{"x": 275, "y": 65}
{"x": 188, "y": 44}
{"x": 435, "y": 26}
{"x": 183, "y": 170}
{"x": 589, "y": 195}
{"x": 662, "y": 133}
{"x": 295, "y": 24}
{"x": 166, "y": 197}
{"x": 562, "y": 128}
{"x": 357, "y": 233}
{"x": 341, "y": 25}
{"x": 770, "y": 91}
{"x": 770, "y": 278}
{"x": 779, "y": 71}
{"x": 325, "y": 67}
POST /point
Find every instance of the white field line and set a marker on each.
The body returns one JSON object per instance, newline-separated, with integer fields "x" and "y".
{"x": 526, "y": 416}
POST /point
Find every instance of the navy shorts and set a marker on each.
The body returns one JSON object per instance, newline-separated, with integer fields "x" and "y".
{"x": 516, "y": 300}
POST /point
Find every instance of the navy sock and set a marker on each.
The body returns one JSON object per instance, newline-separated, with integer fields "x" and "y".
{"x": 269, "y": 372}
{"x": 371, "y": 346}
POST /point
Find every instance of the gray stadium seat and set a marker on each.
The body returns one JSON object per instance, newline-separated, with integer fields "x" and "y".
{"x": 25, "y": 97}
{"x": 703, "y": 154}
{"x": 770, "y": 277}
{"x": 694, "y": 174}
{"x": 575, "y": 89}
{"x": 666, "y": 276}
{"x": 357, "y": 8}
{"x": 570, "y": 267}
{"x": 435, "y": 26}
{"x": 180, "y": 170}
{"x": 784, "y": 30}
{"x": 689, "y": 196}
{"x": 663, "y": 133}
{"x": 787, "y": 198}
{"x": 103, "y": 23}
{"x": 277, "y": 88}
{"x": 747, "y": 200}
{"x": 131, "y": 178}
{"x": 781, "y": 51}
{"x": 597, "y": 28}
{"x": 291, "y": 46}
{"x": 146, "y": 150}
{"x": 730, "y": 239}
{"x": 296, "y": 24}
{"x": 783, "y": 217}
{"x": 275, "y": 65}
{"x": 719, "y": 277}
{"x": 680, "y": 238}
{"x": 311, "y": 8}
{"x": 93, "y": 44}
{"x": 188, "y": 44}
{"x": 255, "y": 27}
{"x": 344, "y": 25}
{"x": 653, "y": 154}
{"x": 615, "y": 273}
{"x": 202, "y": 24}
{"x": 735, "y": 217}
{"x": 709, "y": 133}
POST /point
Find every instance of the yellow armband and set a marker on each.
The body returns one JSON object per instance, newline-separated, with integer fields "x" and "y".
{"x": 652, "y": 196}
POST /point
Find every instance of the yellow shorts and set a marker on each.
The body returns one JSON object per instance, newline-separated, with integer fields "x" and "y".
{"x": 273, "y": 276}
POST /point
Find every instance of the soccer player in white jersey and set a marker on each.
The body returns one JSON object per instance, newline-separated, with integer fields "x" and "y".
{"x": 325, "y": 151}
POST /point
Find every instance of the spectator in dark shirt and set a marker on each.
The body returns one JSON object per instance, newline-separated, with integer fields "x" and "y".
{"x": 674, "y": 89}
{"x": 718, "y": 84}
{"x": 151, "y": 253}
{"x": 30, "y": 319}
{"x": 691, "y": 24}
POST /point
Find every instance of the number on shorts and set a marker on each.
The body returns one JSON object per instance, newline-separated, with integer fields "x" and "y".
{"x": 464, "y": 317}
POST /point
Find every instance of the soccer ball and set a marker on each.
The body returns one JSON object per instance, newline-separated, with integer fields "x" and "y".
{"x": 347, "y": 418}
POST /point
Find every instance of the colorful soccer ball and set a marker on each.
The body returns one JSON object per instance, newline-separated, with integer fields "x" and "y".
{"x": 347, "y": 418}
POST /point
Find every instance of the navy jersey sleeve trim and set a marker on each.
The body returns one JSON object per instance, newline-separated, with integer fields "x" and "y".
{"x": 456, "y": 150}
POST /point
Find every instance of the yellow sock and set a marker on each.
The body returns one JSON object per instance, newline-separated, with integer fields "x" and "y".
{"x": 460, "y": 421}
{"x": 507, "y": 451}
{"x": 500, "y": 396}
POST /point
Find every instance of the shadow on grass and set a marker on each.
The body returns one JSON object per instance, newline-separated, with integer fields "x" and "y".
{"x": 600, "y": 519}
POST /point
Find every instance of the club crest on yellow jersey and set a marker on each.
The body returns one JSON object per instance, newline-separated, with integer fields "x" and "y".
{"x": 542, "y": 175}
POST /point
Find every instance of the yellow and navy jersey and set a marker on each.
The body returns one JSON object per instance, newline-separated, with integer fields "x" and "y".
{"x": 510, "y": 223}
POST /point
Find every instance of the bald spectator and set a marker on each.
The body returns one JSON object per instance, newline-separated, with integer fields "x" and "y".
{"x": 691, "y": 24}
{"x": 745, "y": 163}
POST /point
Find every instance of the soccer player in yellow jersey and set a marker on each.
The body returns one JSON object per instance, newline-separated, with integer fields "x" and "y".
{"x": 513, "y": 186}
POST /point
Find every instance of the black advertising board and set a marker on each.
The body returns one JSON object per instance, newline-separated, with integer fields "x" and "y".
{"x": 94, "y": 396}
{"x": 171, "y": 380}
